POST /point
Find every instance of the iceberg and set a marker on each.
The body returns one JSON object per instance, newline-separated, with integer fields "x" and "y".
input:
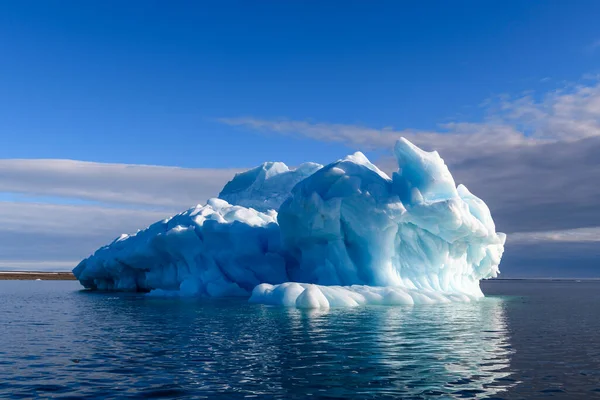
{"x": 345, "y": 234}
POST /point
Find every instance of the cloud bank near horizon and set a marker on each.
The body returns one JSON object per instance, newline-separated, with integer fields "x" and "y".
{"x": 53, "y": 213}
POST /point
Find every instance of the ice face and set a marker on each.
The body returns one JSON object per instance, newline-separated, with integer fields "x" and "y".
{"x": 348, "y": 232}
{"x": 350, "y": 224}
{"x": 338, "y": 225}
{"x": 266, "y": 186}
{"x": 212, "y": 250}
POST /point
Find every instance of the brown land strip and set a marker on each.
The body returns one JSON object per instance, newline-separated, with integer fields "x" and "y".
{"x": 31, "y": 276}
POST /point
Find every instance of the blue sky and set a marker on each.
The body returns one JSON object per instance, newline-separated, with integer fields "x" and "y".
{"x": 217, "y": 86}
{"x": 131, "y": 81}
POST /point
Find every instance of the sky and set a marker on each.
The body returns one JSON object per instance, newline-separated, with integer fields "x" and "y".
{"x": 116, "y": 114}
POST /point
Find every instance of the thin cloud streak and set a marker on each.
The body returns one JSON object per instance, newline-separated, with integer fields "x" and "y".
{"x": 471, "y": 137}
{"x": 166, "y": 187}
{"x": 567, "y": 114}
{"x": 580, "y": 235}
{"x": 46, "y": 265}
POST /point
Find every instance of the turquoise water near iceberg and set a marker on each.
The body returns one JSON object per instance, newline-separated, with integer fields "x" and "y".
{"x": 531, "y": 339}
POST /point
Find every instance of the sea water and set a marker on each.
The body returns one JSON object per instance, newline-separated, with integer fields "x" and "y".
{"x": 530, "y": 339}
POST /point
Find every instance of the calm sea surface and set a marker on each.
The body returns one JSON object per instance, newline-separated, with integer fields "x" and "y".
{"x": 527, "y": 339}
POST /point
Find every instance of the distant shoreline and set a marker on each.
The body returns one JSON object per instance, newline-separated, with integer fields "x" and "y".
{"x": 34, "y": 275}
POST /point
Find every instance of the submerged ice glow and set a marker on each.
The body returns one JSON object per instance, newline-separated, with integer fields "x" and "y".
{"x": 347, "y": 232}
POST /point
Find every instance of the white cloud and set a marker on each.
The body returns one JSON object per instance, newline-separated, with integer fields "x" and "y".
{"x": 580, "y": 235}
{"x": 168, "y": 187}
{"x": 453, "y": 140}
{"x": 353, "y": 134}
{"x": 570, "y": 113}
{"x": 567, "y": 114}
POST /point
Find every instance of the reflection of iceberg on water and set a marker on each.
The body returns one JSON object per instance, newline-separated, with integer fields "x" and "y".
{"x": 461, "y": 349}
{"x": 458, "y": 350}
{"x": 347, "y": 232}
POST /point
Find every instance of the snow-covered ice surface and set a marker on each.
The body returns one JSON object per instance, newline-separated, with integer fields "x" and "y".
{"x": 351, "y": 234}
{"x": 212, "y": 250}
{"x": 266, "y": 186}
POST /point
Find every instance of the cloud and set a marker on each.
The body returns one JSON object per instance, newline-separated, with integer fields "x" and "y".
{"x": 39, "y": 265}
{"x": 472, "y": 136}
{"x": 552, "y": 186}
{"x": 356, "y": 135}
{"x": 566, "y": 114}
{"x": 579, "y": 235}
{"x": 46, "y": 232}
{"x": 51, "y": 236}
{"x": 167, "y": 187}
